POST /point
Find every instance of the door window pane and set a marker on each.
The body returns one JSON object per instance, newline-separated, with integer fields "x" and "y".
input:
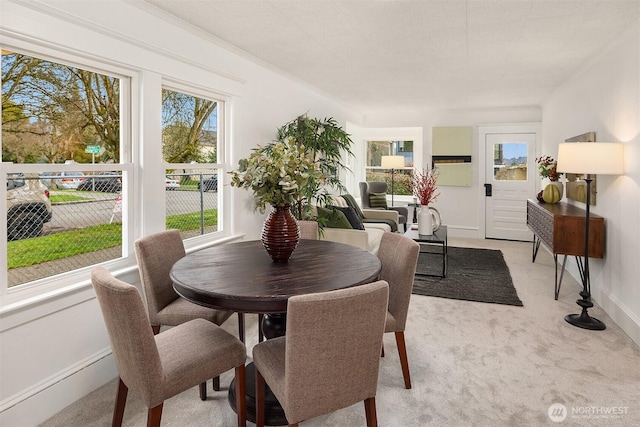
{"x": 510, "y": 162}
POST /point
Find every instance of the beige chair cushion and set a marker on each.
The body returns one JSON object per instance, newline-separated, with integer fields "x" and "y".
{"x": 156, "y": 254}
{"x": 330, "y": 356}
{"x": 399, "y": 257}
{"x": 157, "y": 368}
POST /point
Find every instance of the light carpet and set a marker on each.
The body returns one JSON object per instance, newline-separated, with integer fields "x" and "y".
{"x": 472, "y": 364}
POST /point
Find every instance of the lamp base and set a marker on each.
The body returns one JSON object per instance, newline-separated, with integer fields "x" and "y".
{"x": 584, "y": 321}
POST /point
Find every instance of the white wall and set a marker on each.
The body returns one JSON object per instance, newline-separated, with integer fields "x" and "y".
{"x": 605, "y": 98}
{"x": 55, "y": 350}
{"x": 462, "y": 208}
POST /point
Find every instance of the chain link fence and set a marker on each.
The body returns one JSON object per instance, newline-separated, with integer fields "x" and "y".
{"x": 58, "y": 223}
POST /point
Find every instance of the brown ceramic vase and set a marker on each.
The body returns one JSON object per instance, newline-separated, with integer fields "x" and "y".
{"x": 280, "y": 233}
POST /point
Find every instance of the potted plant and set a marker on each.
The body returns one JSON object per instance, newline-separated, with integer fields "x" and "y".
{"x": 276, "y": 173}
{"x": 326, "y": 144}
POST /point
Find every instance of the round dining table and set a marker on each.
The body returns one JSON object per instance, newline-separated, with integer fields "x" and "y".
{"x": 242, "y": 277}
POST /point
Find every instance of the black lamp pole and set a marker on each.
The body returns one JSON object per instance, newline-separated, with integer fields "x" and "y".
{"x": 392, "y": 173}
{"x": 583, "y": 320}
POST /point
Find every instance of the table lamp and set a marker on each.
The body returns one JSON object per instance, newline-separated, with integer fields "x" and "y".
{"x": 393, "y": 163}
{"x": 589, "y": 158}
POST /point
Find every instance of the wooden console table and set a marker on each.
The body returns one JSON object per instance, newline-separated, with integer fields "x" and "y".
{"x": 560, "y": 226}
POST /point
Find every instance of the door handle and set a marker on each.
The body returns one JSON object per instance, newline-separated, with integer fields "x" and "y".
{"x": 487, "y": 190}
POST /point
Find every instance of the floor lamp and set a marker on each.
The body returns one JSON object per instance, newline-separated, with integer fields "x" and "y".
{"x": 589, "y": 158}
{"x": 393, "y": 163}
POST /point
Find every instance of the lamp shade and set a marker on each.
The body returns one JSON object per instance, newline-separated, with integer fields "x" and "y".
{"x": 392, "y": 162}
{"x": 594, "y": 158}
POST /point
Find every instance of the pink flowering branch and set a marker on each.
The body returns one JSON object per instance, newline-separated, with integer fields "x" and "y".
{"x": 424, "y": 186}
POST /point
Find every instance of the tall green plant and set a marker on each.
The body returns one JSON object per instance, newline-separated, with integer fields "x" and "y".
{"x": 326, "y": 143}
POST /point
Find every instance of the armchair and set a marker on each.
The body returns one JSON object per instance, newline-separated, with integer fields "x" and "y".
{"x": 366, "y": 188}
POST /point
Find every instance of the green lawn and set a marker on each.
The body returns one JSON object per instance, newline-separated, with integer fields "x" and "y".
{"x": 62, "y": 198}
{"x": 26, "y": 252}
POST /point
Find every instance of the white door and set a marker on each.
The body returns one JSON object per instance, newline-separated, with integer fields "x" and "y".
{"x": 509, "y": 181}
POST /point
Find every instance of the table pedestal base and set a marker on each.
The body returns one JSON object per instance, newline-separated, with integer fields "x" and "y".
{"x": 273, "y": 412}
{"x": 273, "y": 326}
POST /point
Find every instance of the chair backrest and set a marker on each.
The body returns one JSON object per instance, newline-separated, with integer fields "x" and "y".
{"x": 132, "y": 342}
{"x": 156, "y": 254}
{"x": 399, "y": 257}
{"x": 333, "y": 348}
{"x": 308, "y": 230}
{"x": 371, "y": 187}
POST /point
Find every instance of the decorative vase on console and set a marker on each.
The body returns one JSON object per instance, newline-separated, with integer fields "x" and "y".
{"x": 553, "y": 192}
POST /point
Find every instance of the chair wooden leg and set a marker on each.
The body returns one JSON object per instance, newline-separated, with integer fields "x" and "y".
{"x": 293, "y": 425}
{"x": 370, "y": 411}
{"x": 260, "y": 385}
{"x": 241, "y": 400}
{"x": 121, "y": 400}
{"x": 203, "y": 391}
{"x": 404, "y": 362}
{"x": 216, "y": 383}
{"x": 154, "y": 416}
{"x": 382, "y": 351}
{"x": 155, "y": 329}
{"x": 241, "y": 326}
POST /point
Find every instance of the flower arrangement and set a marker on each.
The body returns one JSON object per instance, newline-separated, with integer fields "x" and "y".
{"x": 424, "y": 186}
{"x": 547, "y": 168}
{"x": 275, "y": 173}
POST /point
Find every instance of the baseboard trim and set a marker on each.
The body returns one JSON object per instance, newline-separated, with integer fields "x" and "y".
{"x": 35, "y": 404}
{"x": 621, "y": 315}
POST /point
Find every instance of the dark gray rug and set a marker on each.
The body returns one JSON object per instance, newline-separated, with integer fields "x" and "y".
{"x": 472, "y": 275}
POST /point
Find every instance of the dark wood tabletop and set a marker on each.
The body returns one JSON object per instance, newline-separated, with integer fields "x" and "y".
{"x": 242, "y": 277}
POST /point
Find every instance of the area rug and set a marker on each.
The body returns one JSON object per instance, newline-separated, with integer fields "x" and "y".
{"x": 472, "y": 275}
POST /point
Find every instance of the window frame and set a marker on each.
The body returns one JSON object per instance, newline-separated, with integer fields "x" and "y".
{"x": 51, "y": 286}
{"x": 223, "y": 123}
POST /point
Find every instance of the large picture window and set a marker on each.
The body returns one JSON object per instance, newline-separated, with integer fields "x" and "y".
{"x": 63, "y": 166}
{"x": 190, "y": 148}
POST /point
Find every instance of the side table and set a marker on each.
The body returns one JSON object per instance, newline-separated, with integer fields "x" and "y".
{"x": 438, "y": 239}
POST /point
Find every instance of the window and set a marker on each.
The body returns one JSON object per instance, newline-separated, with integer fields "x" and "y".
{"x": 63, "y": 164}
{"x": 374, "y": 172}
{"x": 510, "y": 162}
{"x": 190, "y": 148}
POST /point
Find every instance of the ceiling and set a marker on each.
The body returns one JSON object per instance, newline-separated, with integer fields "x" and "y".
{"x": 415, "y": 54}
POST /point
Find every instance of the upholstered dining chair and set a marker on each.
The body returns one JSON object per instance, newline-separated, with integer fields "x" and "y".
{"x": 378, "y": 187}
{"x": 322, "y": 366}
{"x": 399, "y": 257}
{"x": 158, "y": 367}
{"x": 156, "y": 254}
{"x": 308, "y": 229}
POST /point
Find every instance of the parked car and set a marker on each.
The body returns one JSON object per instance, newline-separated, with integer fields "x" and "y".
{"x": 28, "y": 206}
{"x": 209, "y": 184}
{"x": 106, "y": 182}
{"x": 69, "y": 180}
{"x": 171, "y": 184}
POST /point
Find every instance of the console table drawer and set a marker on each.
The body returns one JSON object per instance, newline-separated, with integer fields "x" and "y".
{"x": 560, "y": 227}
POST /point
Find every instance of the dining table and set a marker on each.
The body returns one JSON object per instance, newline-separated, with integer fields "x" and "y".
{"x": 241, "y": 277}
